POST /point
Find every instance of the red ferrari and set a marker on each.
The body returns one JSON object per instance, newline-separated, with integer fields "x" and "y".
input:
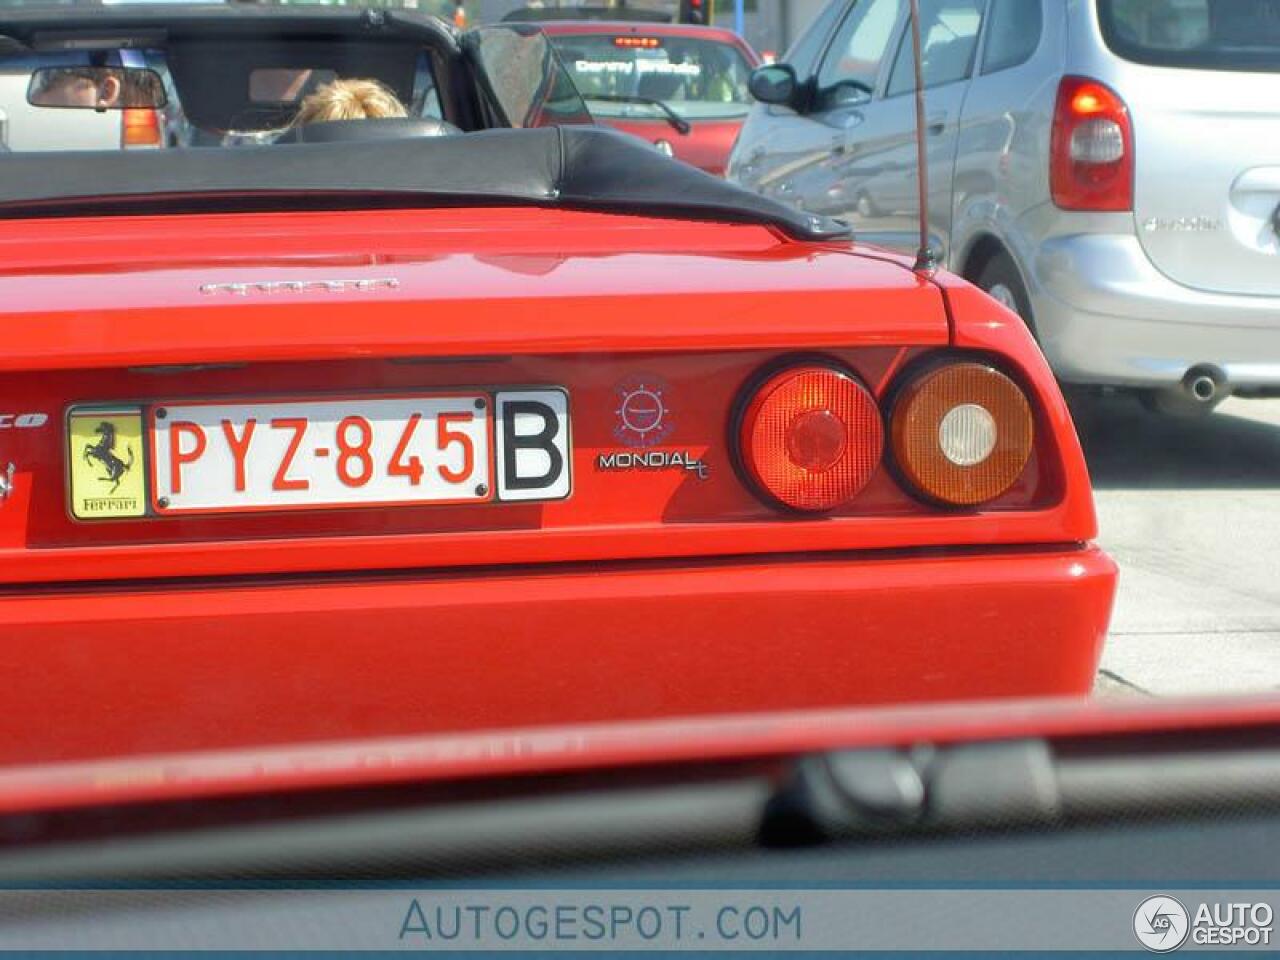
{"x": 431, "y": 424}
{"x": 681, "y": 87}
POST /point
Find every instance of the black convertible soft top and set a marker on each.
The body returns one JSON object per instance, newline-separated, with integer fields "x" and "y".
{"x": 579, "y": 167}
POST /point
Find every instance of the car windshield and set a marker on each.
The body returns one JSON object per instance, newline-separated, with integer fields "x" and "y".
{"x": 433, "y": 399}
{"x": 696, "y": 77}
{"x": 1195, "y": 34}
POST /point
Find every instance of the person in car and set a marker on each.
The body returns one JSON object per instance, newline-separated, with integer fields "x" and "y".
{"x": 350, "y": 100}
{"x": 78, "y": 87}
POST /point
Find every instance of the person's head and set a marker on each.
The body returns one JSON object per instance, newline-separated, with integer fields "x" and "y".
{"x": 350, "y": 100}
{"x": 78, "y": 87}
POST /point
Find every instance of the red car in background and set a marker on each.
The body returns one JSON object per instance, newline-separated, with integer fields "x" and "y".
{"x": 681, "y": 87}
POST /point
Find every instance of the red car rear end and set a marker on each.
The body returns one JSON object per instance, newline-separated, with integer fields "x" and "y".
{"x": 647, "y": 567}
{"x": 682, "y": 88}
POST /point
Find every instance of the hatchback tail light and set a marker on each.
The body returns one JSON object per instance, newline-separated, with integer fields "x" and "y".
{"x": 811, "y": 437}
{"x": 961, "y": 433}
{"x": 140, "y": 127}
{"x": 1091, "y": 154}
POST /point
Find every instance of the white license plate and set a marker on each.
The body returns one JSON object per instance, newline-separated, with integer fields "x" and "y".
{"x": 353, "y": 452}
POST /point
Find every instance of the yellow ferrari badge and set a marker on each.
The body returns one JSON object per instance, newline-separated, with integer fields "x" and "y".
{"x": 106, "y": 476}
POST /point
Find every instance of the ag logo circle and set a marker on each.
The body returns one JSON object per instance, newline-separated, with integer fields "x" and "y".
{"x": 1161, "y": 924}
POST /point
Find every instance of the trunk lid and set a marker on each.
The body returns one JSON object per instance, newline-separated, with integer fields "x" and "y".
{"x": 1207, "y": 190}
{"x": 1202, "y": 82}
{"x": 138, "y": 317}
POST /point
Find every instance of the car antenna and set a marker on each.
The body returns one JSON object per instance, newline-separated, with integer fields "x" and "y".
{"x": 926, "y": 260}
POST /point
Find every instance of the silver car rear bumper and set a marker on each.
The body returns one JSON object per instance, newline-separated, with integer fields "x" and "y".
{"x": 1105, "y": 315}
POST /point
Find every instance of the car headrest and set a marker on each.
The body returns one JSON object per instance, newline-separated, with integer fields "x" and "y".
{"x": 381, "y": 128}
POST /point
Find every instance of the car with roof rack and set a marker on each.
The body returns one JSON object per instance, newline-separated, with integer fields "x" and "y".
{"x": 487, "y": 417}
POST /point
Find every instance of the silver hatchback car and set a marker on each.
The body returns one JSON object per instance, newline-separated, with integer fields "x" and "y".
{"x": 1108, "y": 168}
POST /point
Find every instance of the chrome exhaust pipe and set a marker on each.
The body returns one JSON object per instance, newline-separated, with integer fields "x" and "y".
{"x": 1202, "y": 387}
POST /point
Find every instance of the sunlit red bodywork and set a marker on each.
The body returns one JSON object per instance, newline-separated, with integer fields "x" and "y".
{"x": 643, "y": 594}
{"x": 709, "y": 141}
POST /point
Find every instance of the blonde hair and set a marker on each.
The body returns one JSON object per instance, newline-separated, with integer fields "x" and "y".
{"x": 350, "y": 100}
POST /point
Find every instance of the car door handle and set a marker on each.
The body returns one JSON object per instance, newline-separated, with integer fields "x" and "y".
{"x": 937, "y": 124}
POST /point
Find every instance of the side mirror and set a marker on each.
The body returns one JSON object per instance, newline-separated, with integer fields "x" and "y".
{"x": 848, "y": 93}
{"x": 96, "y": 88}
{"x": 774, "y": 83}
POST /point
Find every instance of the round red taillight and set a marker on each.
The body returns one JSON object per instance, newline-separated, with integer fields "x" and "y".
{"x": 812, "y": 437}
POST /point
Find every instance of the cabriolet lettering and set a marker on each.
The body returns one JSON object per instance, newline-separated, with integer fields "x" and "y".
{"x": 301, "y": 286}
{"x": 22, "y": 421}
{"x": 652, "y": 460}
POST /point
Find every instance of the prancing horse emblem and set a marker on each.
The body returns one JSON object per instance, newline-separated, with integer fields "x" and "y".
{"x": 104, "y": 451}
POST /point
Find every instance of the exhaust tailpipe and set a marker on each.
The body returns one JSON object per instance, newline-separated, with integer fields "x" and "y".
{"x": 1202, "y": 386}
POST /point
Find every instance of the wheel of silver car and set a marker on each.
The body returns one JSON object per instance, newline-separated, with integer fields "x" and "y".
{"x": 1000, "y": 279}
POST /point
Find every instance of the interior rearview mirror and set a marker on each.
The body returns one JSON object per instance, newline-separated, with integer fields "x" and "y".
{"x": 774, "y": 83}
{"x": 96, "y": 88}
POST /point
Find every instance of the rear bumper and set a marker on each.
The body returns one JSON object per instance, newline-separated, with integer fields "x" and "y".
{"x": 106, "y": 672}
{"x": 1105, "y": 314}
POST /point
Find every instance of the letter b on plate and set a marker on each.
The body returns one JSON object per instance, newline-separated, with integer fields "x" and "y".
{"x": 533, "y": 445}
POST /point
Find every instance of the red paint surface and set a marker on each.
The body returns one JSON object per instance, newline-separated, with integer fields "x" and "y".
{"x": 707, "y": 145}
{"x": 112, "y": 671}
{"x": 378, "y": 622}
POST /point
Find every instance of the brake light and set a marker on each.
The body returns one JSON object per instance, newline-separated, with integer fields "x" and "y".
{"x": 1091, "y": 153}
{"x": 643, "y": 43}
{"x": 811, "y": 437}
{"x": 139, "y": 127}
{"x": 962, "y": 433}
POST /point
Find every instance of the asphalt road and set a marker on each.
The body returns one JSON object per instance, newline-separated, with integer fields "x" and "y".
{"x": 1190, "y": 509}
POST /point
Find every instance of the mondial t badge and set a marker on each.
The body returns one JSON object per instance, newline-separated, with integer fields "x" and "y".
{"x": 105, "y": 457}
{"x": 645, "y": 421}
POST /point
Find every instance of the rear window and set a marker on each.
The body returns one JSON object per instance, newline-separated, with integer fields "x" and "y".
{"x": 622, "y": 75}
{"x": 1194, "y": 34}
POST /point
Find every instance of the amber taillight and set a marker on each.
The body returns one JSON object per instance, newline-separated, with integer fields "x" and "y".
{"x": 811, "y": 437}
{"x": 1091, "y": 150}
{"x": 140, "y": 127}
{"x": 961, "y": 433}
